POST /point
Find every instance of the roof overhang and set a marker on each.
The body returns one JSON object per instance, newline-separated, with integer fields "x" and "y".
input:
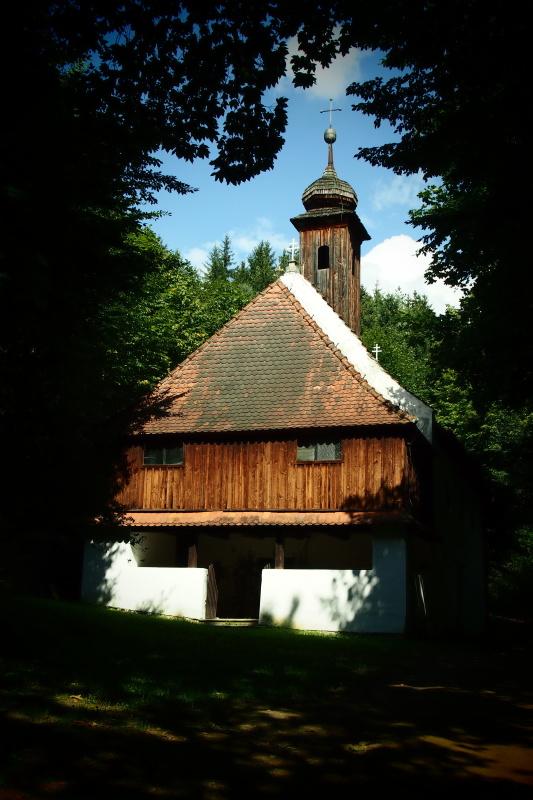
{"x": 178, "y": 519}
{"x": 309, "y": 220}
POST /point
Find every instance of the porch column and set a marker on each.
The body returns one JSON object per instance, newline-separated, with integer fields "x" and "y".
{"x": 279, "y": 553}
{"x": 193, "y": 550}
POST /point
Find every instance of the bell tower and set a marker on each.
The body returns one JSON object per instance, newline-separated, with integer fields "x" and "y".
{"x": 331, "y": 234}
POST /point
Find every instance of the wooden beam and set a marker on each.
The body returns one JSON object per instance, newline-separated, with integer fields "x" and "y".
{"x": 212, "y": 594}
{"x": 193, "y": 551}
{"x": 279, "y": 554}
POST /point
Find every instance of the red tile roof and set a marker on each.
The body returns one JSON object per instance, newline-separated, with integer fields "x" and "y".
{"x": 270, "y": 367}
{"x": 150, "y": 519}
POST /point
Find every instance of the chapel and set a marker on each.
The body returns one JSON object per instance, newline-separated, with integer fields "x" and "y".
{"x": 289, "y": 480}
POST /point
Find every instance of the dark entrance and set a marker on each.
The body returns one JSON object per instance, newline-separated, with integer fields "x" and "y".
{"x": 238, "y": 556}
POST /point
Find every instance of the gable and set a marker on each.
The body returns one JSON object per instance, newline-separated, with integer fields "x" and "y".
{"x": 271, "y": 367}
{"x": 356, "y": 353}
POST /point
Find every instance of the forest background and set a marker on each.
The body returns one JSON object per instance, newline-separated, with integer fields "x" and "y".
{"x": 94, "y": 309}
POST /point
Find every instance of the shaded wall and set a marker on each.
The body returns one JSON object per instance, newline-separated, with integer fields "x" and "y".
{"x": 359, "y": 601}
{"x": 112, "y": 577}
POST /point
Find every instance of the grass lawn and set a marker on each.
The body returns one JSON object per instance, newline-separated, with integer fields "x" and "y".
{"x": 101, "y": 703}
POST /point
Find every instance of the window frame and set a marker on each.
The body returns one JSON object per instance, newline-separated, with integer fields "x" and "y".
{"x": 164, "y": 448}
{"x": 300, "y": 443}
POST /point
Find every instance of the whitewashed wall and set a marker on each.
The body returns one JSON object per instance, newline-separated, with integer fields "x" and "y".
{"x": 112, "y": 577}
{"x": 364, "y": 601}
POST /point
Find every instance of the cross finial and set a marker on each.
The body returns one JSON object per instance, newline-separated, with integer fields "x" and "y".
{"x": 293, "y": 247}
{"x": 330, "y": 135}
{"x": 331, "y": 110}
{"x": 376, "y": 350}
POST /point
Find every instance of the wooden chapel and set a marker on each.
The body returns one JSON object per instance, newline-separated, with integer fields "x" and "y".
{"x": 291, "y": 480}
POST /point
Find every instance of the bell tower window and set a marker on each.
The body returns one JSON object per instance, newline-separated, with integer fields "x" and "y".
{"x": 323, "y": 257}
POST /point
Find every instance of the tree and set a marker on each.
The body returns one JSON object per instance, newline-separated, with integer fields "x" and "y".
{"x": 405, "y": 328}
{"x": 262, "y": 266}
{"x": 465, "y": 131}
{"x": 285, "y": 258}
{"x": 76, "y": 367}
{"x": 417, "y": 348}
{"x": 149, "y": 76}
{"x": 214, "y": 268}
{"x": 219, "y": 266}
{"x": 241, "y": 274}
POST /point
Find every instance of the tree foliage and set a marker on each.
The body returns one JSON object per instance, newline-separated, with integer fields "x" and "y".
{"x": 285, "y": 258}
{"x": 404, "y": 327}
{"x": 220, "y": 263}
{"x": 417, "y": 348}
{"x": 461, "y": 126}
{"x": 144, "y": 76}
{"x": 262, "y": 266}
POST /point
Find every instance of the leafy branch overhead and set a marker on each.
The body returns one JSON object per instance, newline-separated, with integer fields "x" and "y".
{"x": 163, "y": 75}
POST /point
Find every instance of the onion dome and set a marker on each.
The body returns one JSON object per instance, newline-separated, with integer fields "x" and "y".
{"x": 329, "y": 191}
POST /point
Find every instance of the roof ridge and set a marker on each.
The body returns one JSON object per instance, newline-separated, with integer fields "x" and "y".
{"x": 341, "y": 357}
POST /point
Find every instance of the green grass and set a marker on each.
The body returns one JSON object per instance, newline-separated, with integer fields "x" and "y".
{"x": 101, "y": 701}
{"x": 136, "y": 660}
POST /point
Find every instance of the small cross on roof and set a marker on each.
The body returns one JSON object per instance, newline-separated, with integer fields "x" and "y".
{"x": 293, "y": 247}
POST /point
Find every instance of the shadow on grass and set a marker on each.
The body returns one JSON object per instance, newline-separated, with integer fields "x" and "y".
{"x": 212, "y": 713}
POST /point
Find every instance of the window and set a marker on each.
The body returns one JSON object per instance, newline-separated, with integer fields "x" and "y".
{"x": 163, "y": 455}
{"x": 318, "y": 451}
{"x": 323, "y": 257}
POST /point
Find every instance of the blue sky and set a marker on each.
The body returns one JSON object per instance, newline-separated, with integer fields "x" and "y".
{"x": 261, "y": 208}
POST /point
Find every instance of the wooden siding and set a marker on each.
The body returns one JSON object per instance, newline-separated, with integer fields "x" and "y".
{"x": 375, "y": 473}
{"x": 339, "y": 284}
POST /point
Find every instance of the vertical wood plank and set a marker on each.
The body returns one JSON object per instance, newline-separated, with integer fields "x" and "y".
{"x": 262, "y": 474}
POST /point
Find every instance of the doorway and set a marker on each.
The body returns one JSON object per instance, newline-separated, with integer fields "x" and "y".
{"x": 238, "y": 559}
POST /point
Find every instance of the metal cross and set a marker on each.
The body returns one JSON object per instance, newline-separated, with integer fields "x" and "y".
{"x": 293, "y": 247}
{"x": 331, "y": 110}
{"x": 376, "y": 350}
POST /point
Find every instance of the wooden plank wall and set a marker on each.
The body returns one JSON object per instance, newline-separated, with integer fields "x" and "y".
{"x": 374, "y": 473}
{"x": 339, "y": 284}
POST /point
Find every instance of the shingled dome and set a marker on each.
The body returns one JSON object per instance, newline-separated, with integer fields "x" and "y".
{"x": 329, "y": 191}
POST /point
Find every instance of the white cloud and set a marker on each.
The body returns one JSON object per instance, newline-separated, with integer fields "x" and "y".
{"x": 199, "y": 255}
{"x": 400, "y": 190}
{"x": 331, "y": 82}
{"x": 394, "y": 263}
{"x": 243, "y": 240}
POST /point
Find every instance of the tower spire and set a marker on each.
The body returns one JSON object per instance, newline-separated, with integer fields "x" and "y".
{"x": 331, "y": 234}
{"x": 330, "y": 134}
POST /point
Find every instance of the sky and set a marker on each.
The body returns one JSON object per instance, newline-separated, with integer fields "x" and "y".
{"x": 261, "y": 209}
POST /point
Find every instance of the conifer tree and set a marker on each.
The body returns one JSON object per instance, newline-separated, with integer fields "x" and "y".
{"x": 283, "y": 261}
{"x": 262, "y": 263}
{"x": 241, "y": 274}
{"x": 219, "y": 267}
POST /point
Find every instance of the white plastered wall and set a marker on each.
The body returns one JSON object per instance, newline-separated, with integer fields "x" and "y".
{"x": 112, "y": 577}
{"x": 358, "y": 601}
